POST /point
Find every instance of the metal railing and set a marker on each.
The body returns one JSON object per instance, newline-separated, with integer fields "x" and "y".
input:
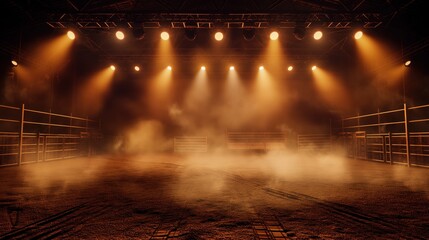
{"x": 314, "y": 142}
{"x": 238, "y": 140}
{"x": 399, "y": 136}
{"x": 28, "y": 136}
{"x": 190, "y": 144}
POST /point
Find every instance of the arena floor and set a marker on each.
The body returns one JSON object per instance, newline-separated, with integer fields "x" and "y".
{"x": 276, "y": 195}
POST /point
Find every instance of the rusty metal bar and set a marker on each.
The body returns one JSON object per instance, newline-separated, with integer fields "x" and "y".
{"x": 407, "y": 135}
{"x": 21, "y": 134}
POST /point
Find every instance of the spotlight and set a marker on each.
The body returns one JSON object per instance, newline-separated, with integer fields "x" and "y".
{"x": 218, "y": 36}
{"x": 299, "y": 31}
{"x": 14, "y": 63}
{"x": 203, "y": 68}
{"x": 138, "y": 33}
{"x": 231, "y": 68}
{"x": 407, "y": 63}
{"x": 71, "y": 35}
{"x": 358, "y": 35}
{"x": 137, "y": 68}
{"x": 169, "y": 68}
{"x": 165, "y": 36}
{"x": 249, "y": 33}
{"x": 313, "y": 68}
{"x": 261, "y": 68}
{"x": 290, "y": 68}
{"x": 274, "y": 35}
{"x": 191, "y": 33}
{"x": 318, "y": 35}
{"x": 120, "y": 35}
{"x": 112, "y": 67}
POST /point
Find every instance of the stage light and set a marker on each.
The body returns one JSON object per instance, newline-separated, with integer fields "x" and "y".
{"x": 231, "y": 68}
{"x": 14, "y": 63}
{"x": 137, "y": 68}
{"x": 71, "y": 35}
{"x": 249, "y": 33}
{"x": 138, "y": 33}
{"x": 358, "y": 35}
{"x": 112, "y": 67}
{"x": 165, "y": 36}
{"x": 261, "y": 68}
{"x": 120, "y": 35}
{"x": 218, "y": 36}
{"x": 299, "y": 31}
{"x": 290, "y": 68}
{"x": 313, "y": 68}
{"x": 191, "y": 33}
{"x": 407, "y": 63}
{"x": 203, "y": 68}
{"x": 274, "y": 35}
{"x": 318, "y": 35}
{"x": 169, "y": 68}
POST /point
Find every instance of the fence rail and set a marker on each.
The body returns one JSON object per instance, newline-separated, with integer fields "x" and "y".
{"x": 399, "y": 136}
{"x": 28, "y": 136}
{"x": 238, "y": 140}
{"x": 190, "y": 144}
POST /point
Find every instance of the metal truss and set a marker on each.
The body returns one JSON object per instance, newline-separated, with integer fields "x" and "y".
{"x": 208, "y": 20}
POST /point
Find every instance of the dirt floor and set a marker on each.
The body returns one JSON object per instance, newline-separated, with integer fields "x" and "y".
{"x": 276, "y": 195}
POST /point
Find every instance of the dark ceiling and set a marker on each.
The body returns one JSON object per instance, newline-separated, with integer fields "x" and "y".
{"x": 96, "y": 21}
{"x": 399, "y": 23}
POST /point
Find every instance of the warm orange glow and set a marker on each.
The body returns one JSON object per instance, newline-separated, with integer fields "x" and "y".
{"x": 120, "y": 35}
{"x": 274, "y": 35}
{"x": 137, "y": 68}
{"x": 218, "y": 36}
{"x": 232, "y": 68}
{"x": 112, "y": 67}
{"x": 198, "y": 95}
{"x": 203, "y": 68}
{"x": 169, "y": 68}
{"x": 165, "y": 36}
{"x": 331, "y": 90}
{"x": 290, "y": 68}
{"x": 47, "y": 58}
{"x": 159, "y": 94}
{"x": 313, "y": 68}
{"x": 392, "y": 76}
{"x": 358, "y": 35}
{"x": 318, "y": 35}
{"x": 14, "y": 63}
{"x": 273, "y": 58}
{"x": 266, "y": 96}
{"x": 231, "y": 114}
{"x": 165, "y": 54}
{"x": 71, "y": 35}
{"x": 261, "y": 68}
{"x": 94, "y": 91}
{"x": 375, "y": 56}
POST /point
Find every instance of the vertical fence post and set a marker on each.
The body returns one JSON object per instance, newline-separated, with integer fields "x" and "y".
{"x": 38, "y": 146}
{"x": 383, "y": 140}
{"x": 407, "y": 135}
{"x": 21, "y": 134}
{"x": 378, "y": 120}
{"x": 390, "y": 148}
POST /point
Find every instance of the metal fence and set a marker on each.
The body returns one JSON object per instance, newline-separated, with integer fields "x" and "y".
{"x": 28, "y": 136}
{"x": 239, "y": 140}
{"x": 190, "y": 144}
{"x": 399, "y": 136}
{"x": 314, "y": 142}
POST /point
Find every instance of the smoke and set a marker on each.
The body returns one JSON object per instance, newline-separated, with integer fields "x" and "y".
{"x": 144, "y": 137}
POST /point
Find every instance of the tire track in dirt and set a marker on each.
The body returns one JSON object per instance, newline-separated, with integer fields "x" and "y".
{"x": 58, "y": 224}
{"x": 348, "y": 214}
